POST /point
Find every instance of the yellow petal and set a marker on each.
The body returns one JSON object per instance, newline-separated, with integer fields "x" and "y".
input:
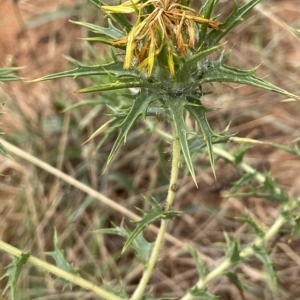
{"x": 151, "y": 57}
{"x": 171, "y": 61}
{"x": 124, "y": 8}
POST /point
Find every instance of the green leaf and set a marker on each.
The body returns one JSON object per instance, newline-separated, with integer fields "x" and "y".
{"x": 248, "y": 219}
{"x": 176, "y": 108}
{"x": 202, "y": 293}
{"x": 140, "y": 245}
{"x": 122, "y": 21}
{"x": 192, "y": 61}
{"x": 199, "y": 113}
{"x": 60, "y": 258}
{"x": 218, "y": 72}
{"x": 206, "y": 11}
{"x": 295, "y": 150}
{"x": 138, "y": 108}
{"x": 265, "y": 258}
{"x": 245, "y": 178}
{"x": 114, "y": 68}
{"x": 199, "y": 264}
{"x": 197, "y": 143}
{"x": 119, "y": 19}
{"x": 234, "y": 18}
{"x": 233, "y": 277}
{"x": 239, "y": 154}
{"x": 275, "y": 198}
{"x": 13, "y": 273}
{"x": 111, "y": 31}
{"x": 117, "y": 85}
{"x": 154, "y": 214}
{"x": 233, "y": 250}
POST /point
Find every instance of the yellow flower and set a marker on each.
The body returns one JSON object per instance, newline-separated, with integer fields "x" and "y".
{"x": 169, "y": 24}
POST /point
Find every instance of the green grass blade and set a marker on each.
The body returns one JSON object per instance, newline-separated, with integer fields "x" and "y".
{"x": 5, "y": 74}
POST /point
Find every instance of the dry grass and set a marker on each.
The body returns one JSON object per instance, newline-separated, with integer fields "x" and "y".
{"x": 34, "y": 201}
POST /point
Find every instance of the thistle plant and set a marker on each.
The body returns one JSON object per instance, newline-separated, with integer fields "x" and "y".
{"x": 165, "y": 57}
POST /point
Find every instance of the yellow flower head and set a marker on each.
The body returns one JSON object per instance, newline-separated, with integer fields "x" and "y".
{"x": 169, "y": 24}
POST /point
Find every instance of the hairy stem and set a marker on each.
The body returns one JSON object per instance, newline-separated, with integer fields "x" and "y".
{"x": 59, "y": 272}
{"x": 137, "y": 295}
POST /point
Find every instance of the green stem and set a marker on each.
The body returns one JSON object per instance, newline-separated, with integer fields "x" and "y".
{"x": 244, "y": 254}
{"x": 138, "y": 293}
{"x": 59, "y": 272}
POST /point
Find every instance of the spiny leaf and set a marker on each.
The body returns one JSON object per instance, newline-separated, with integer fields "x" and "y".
{"x": 138, "y": 108}
{"x": 111, "y": 31}
{"x": 197, "y": 143}
{"x": 264, "y": 257}
{"x": 245, "y": 178}
{"x": 194, "y": 59}
{"x": 13, "y": 273}
{"x": 248, "y": 219}
{"x": 176, "y": 108}
{"x": 142, "y": 247}
{"x": 275, "y": 198}
{"x": 234, "y": 18}
{"x": 150, "y": 216}
{"x": 206, "y": 11}
{"x": 295, "y": 150}
{"x": 60, "y": 258}
{"x": 114, "y": 68}
{"x": 199, "y": 113}
{"x": 132, "y": 83}
{"x": 239, "y": 154}
{"x": 202, "y": 293}
{"x": 219, "y": 72}
{"x": 199, "y": 264}
{"x": 233, "y": 250}
{"x": 233, "y": 277}
{"x": 118, "y": 18}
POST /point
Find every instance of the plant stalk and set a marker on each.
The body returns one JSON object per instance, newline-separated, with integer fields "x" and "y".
{"x": 244, "y": 254}
{"x": 60, "y": 273}
{"x": 138, "y": 293}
